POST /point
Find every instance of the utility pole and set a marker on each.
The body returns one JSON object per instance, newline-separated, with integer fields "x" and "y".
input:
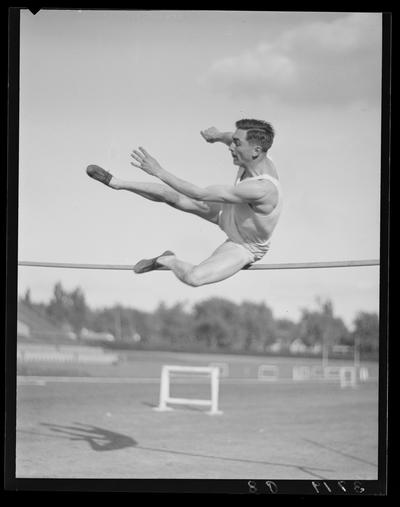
{"x": 325, "y": 351}
{"x": 356, "y": 352}
{"x": 118, "y": 327}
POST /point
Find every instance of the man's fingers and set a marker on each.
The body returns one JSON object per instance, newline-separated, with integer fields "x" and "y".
{"x": 136, "y": 156}
{"x": 136, "y": 165}
{"x": 140, "y": 155}
{"x": 144, "y": 151}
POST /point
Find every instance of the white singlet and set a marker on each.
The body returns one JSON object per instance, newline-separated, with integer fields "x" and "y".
{"x": 243, "y": 225}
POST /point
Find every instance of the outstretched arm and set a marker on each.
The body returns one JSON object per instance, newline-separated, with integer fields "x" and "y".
{"x": 252, "y": 191}
{"x": 213, "y": 135}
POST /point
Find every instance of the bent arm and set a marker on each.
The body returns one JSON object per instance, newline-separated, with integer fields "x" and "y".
{"x": 213, "y": 135}
{"x": 226, "y": 138}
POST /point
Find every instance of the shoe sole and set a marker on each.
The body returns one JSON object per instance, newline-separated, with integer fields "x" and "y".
{"x": 146, "y": 265}
{"x": 98, "y": 173}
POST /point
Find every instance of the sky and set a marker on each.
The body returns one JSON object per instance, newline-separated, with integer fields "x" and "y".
{"x": 96, "y": 84}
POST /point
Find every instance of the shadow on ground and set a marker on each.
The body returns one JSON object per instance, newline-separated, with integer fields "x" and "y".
{"x": 101, "y": 439}
{"x": 98, "y": 438}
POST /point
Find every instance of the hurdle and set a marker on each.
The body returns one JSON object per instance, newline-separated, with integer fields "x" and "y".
{"x": 301, "y": 373}
{"x": 166, "y": 399}
{"x": 268, "y": 372}
{"x": 346, "y": 375}
{"x": 363, "y": 374}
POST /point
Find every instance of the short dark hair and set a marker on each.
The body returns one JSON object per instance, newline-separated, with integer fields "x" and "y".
{"x": 258, "y": 131}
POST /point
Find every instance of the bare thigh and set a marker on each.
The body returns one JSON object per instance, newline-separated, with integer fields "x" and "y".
{"x": 206, "y": 210}
{"x": 225, "y": 261}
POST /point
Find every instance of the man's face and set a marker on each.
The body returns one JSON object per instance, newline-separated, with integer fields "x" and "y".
{"x": 242, "y": 152}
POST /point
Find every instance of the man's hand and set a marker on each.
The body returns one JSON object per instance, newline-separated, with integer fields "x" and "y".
{"x": 146, "y": 162}
{"x": 211, "y": 135}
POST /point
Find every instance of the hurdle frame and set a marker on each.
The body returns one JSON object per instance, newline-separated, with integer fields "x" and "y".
{"x": 348, "y": 376}
{"x": 345, "y": 375}
{"x": 166, "y": 399}
{"x": 273, "y": 372}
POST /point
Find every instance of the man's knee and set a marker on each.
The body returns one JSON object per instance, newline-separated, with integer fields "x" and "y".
{"x": 194, "y": 278}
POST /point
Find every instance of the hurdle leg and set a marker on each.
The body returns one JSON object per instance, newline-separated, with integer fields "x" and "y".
{"x": 164, "y": 391}
{"x": 348, "y": 382}
{"x": 214, "y": 392}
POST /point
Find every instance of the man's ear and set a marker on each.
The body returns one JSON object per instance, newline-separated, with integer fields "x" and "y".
{"x": 256, "y": 151}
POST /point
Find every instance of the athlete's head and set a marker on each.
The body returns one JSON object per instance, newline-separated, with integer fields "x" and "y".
{"x": 252, "y": 139}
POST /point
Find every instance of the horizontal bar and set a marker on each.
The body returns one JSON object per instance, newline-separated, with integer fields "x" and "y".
{"x": 188, "y": 401}
{"x": 190, "y": 369}
{"x": 253, "y": 267}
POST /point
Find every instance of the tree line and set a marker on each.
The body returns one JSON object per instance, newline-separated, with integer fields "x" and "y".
{"x": 215, "y": 324}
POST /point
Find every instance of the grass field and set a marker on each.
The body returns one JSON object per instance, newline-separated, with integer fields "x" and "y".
{"x": 83, "y": 421}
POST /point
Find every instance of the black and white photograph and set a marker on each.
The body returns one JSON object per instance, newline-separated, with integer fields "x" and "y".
{"x": 200, "y": 239}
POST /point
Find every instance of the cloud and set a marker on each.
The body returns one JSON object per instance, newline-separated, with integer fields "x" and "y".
{"x": 322, "y": 62}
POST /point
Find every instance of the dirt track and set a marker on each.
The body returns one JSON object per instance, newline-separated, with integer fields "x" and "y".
{"x": 99, "y": 429}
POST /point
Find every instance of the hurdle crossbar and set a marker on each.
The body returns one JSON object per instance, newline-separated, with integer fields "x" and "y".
{"x": 253, "y": 267}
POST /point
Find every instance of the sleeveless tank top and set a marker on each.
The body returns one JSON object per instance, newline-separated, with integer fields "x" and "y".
{"x": 243, "y": 224}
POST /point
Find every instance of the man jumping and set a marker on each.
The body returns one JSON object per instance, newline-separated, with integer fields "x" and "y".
{"x": 246, "y": 211}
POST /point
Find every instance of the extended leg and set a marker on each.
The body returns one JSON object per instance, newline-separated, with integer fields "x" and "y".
{"x": 227, "y": 260}
{"x": 157, "y": 192}
{"x": 162, "y": 193}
